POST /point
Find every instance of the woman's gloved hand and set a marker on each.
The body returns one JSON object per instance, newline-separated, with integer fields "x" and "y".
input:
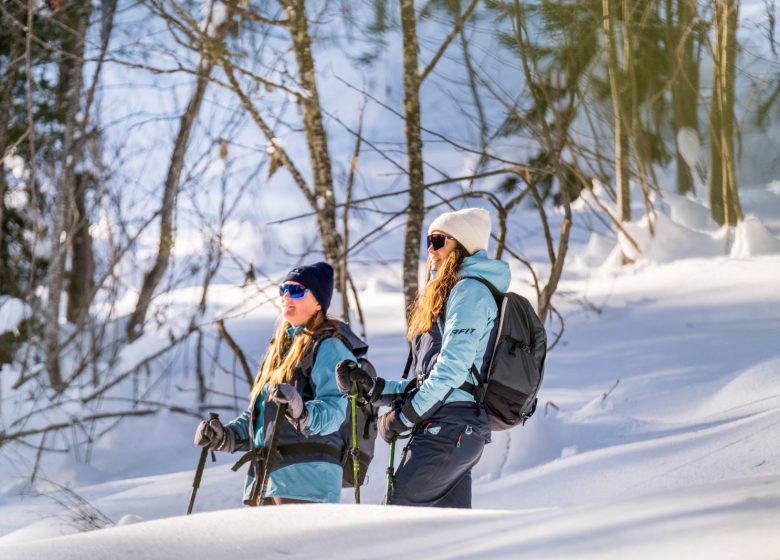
{"x": 284, "y": 393}
{"x": 391, "y": 425}
{"x": 350, "y": 376}
{"x": 212, "y": 434}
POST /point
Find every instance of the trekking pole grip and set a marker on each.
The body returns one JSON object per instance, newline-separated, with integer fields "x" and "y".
{"x": 213, "y": 416}
{"x": 201, "y": 465}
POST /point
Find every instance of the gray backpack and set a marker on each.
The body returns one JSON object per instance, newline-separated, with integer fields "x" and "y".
{"x": 513, "y": 366}
{"x": 367, "y": 414}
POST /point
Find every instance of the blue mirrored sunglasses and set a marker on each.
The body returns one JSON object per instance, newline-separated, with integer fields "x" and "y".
{"x": 437, "y": 240}
{"x": 295, "y": 291}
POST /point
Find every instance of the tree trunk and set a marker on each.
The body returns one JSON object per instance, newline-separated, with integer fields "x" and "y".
{"x": 415, "y": 211}
{"x": 620, "y": 125}
{"x": 82, "y": 268}
{"x": 316, "y": 138}
{"x": 81, "y": 284}
{"x": 8, "y": 281}
{"x": 71, "y": 66}
{"x": 171, "y": 190}
{"x": 724, "y": 196}
{"x": 685, "y": 78}
{"x": 636, "y": 132}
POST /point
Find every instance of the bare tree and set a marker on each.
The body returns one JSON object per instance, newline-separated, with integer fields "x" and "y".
{"x": 71, "y": 70}
{"x": 81, "y": 282}
{"x": 413, "y": 78}
{"x": 724, "y": 196}
{"x": 208, "y": 46}
{"x": 316, "y": 137}
{"x": 618, "y": 83}
{"x": 414, "y": 211}
{"x": 9, "y": 77}
{"x": 681, "y": 41}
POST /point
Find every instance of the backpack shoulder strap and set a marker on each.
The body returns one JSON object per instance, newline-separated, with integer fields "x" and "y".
{"x": 343, "y": 333}
{"x": 493, "y": 290}
{"x": 408, "y": 366}
{"x": 310, "y": 355}
{"x": 525, "y": 306}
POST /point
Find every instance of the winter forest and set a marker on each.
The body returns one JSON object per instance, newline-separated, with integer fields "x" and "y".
{"x": 164, "y": 164}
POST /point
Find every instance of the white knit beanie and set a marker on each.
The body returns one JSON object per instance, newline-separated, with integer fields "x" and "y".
{"x": 470, "y": 226}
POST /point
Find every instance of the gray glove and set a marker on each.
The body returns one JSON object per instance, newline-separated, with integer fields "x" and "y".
{"x": 212, "y": 434}
{"x": 296, "y": 411}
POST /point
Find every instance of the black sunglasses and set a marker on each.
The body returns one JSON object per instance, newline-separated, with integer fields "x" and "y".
{"x": 437, "y": 240}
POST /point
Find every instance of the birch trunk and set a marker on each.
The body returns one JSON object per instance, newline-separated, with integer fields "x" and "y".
{"x": 171, "y": 190}
{"x": 415, "y": 211}
{"x": 316, "y": 139}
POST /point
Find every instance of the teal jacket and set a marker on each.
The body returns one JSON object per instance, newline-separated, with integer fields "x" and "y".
{"x": 470, "y": 313}
{"x": 315, "y": 481}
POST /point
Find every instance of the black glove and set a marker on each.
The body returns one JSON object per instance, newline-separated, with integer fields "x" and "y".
{"x": 212, "y": 434}
{"x": 391, "y": 425}
{"x": 348, "y": 372}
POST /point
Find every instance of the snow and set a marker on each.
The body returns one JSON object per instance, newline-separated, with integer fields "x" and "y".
{"x": 215, "y": 14}
{"x": 752, "y": 238}
{"x": 689, "y": 146}
{"x": 656, "y": 434}
{"x": 16, "y": 199}
{"x": 684, "y": 229}
{"x": 679, "y": 459}
{"x": 671, "y": 525}
{"x": 688, "y": 212}
{"x": 12, "y": 312}
{"x": 15, "y": 164}
{"x": 671, "y": 242}
{"x": 655, "y": 437}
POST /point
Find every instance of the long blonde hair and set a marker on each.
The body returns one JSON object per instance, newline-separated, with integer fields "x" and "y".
{"x": 284, "y": 354}
{"x": 430, "y": 302}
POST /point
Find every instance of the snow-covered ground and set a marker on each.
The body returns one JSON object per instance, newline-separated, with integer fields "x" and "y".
{"x": 657, "y": 433}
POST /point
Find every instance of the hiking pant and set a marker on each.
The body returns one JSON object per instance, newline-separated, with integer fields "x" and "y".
{"x": 436, "y": 465}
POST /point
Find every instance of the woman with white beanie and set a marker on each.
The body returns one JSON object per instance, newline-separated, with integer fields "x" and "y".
{"x": 449, "y": 329}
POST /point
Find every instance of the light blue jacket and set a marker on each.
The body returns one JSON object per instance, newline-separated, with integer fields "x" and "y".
{"x": 311, "y": 481}
{"x": 470, "y": 312}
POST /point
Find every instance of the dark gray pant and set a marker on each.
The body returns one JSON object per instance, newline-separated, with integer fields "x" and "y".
{"x": 436, "y": 466}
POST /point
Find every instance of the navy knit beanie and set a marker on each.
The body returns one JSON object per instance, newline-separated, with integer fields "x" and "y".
{"x": 318, "y": 278}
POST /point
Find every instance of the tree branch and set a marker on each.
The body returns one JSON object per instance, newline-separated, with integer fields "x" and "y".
{"x": 6, "y": 438}
{"x": 459, "y": 23}
{"x": 224, "y": 335}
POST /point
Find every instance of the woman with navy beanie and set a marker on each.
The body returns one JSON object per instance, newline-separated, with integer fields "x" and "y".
{"x": 449, "y": 329}
{"x": 307, "y": 467}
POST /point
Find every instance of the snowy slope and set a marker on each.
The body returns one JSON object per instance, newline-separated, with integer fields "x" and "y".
{"x": 688, "y": 524}
{"x": 656, "y": 437}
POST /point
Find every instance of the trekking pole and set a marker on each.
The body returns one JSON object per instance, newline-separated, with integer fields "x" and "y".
{"x": 201, "y": 465}
{"x": 281, "y": 409}
{"x": 390, "y": 469}
{"x": 355, "y": 449}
